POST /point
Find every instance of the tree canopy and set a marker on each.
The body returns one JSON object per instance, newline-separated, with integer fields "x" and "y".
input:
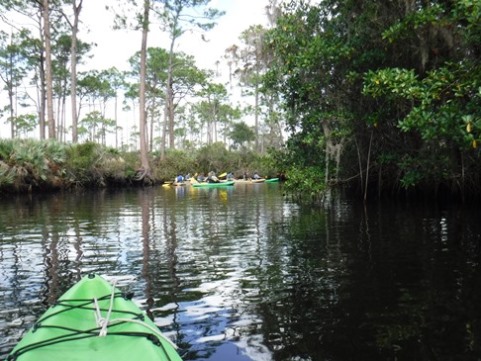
{"x": 390, "y": 90}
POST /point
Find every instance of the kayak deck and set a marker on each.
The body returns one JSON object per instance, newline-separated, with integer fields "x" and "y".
{"x": 94, "y": 321}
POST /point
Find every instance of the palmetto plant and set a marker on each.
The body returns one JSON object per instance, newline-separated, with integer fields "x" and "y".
{"x": 7, "y": 178}
{"x": 30, "y": 161}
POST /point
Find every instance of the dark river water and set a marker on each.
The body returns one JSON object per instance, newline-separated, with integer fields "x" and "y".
{"x": 244, "y": 274}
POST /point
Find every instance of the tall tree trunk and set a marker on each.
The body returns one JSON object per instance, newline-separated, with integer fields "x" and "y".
{"x": 42, "y": 103}
{"x": 42, "y": 94}
{"x": 152, "y": 118}
{"x": 73, "y": 69}
{"x": 9, "y": 82}
{"x": 216, "y": 118}
{"x": 164, "y": 135}
{"x": 256, "y": 111}
{"x": 142, "y": 111}
{"x": 116, "y": 121}
{"x": 48, "y": 68}
{"x": 169, "y": 94}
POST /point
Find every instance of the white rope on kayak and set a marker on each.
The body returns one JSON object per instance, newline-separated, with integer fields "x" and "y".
{"x": 103, "y": 323}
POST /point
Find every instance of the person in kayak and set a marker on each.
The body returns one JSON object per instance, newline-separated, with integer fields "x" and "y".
{"x": 212, "y": 178}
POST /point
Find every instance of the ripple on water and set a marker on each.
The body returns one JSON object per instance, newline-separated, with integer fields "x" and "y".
{"x": 244, "y": 275}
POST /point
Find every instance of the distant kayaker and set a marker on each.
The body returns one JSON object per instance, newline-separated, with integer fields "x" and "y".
{"x": 212, "y": 178}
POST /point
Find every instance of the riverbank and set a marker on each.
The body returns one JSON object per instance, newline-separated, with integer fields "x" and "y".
{"x": 36, "y": 166}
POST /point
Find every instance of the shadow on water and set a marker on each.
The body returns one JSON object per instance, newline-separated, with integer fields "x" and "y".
{"x": 243, "y": 274}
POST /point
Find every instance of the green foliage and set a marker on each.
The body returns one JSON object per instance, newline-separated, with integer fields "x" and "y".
{"x": 175, "y": 162}
{"x": 394, "y": 82}
{"x": 7, "y": 177}
{"x": 94, "y": 126}
{"x": 81, "y": 156}
{"x": 49, "y": 164}
{"x": 39, "y": 159}
{"x": 413, "y": 22}
{"x": 27, "y": 163}
{"x": 438, "y": 101}
{"x": 306, "y": 183}
{"x": 93, "y": 164}
{"x": 241, "y": 133}
{"x": 95, "y": 85}
{"x": 431, "y": 170}
{"x": 386, "y": 78}
{"x": 25, "y": 123}
{"x": 214, "y": 157}
{"x": 6, "y": 149}
{"x": 56, "y": 152}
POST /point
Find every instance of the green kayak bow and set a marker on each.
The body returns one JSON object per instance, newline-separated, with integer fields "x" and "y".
{"x": 94, "y": 321}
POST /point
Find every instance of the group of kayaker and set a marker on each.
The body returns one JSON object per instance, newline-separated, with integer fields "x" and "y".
{"x": 211, "y": 177}
{"x": 254, "y": 176}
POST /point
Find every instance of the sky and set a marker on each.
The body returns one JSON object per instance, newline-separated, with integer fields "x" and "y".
{"x": 114, "y": 47}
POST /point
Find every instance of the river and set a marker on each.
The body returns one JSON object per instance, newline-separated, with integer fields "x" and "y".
{"x": 245, "y": 274}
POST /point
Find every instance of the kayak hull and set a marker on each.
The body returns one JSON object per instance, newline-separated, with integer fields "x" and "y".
{"x": 249, "y": 181}
{"x": 70, "y": 331}
{"x": 213, "y": 185}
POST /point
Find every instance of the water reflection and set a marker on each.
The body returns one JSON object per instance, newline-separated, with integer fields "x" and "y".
{"x": 243, "y": 274}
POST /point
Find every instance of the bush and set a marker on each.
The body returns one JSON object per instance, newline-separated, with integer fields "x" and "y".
{"x": 305, "y": 183}
{"x": 30, "y": 163}
{"x": 6, "y": 149}
{"x": 176, "y": 161}
{"x": 93, "y": 164}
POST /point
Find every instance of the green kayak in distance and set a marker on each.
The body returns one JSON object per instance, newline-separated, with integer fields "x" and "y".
{"x": 93, "y": 321}
{"x": 207, "y": 185}
{"x": 272, "y": 180}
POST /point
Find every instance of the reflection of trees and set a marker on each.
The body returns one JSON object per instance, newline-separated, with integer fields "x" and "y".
{"x": 299, "y": 286}
{"x": 159, "y": 258}
{"x": 380, "y": 282}
{"x": 145, "y": 203}
{"x": 331, "y": 290}
{"x": 170, "y": 227}
{"x": 52, "y": 267}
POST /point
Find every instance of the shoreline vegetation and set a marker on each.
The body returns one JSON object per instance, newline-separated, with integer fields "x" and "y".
{"x": 378, "y": 99}
{"x": 35, "y": 166}
{"x": 48, "y": 166}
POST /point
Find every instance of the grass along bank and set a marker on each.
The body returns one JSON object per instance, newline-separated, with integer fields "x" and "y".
{"x": 33, "y": 165}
